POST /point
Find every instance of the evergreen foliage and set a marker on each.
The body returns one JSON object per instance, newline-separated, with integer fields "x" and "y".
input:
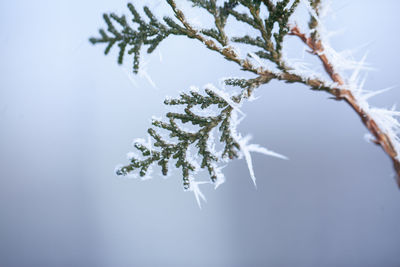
{"x": 179, "y": 150}
{"x": 151, "y": 31}
{"x": 148, "y": 33}
{"x": 272, "y": 28}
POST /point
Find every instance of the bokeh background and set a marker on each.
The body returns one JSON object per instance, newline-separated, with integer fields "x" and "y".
{"x": 68, "y": 116}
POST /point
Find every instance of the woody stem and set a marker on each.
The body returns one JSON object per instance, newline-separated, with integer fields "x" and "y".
{"x": 382, "y": 138}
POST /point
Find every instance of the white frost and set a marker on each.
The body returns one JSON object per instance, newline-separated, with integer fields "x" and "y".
{"x": 220, "y": 175}
{"x": 246, "y": 148}
{"x": 194, "y": 187}
{"x": 225, "y": 96}
{"x": 147, "y": 143}
{"x": 386, "y": 119}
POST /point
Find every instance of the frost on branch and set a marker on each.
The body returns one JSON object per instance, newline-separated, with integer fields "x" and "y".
{"x": 215, "y": 113}
{"x": 150, "y": 31}
{"x": 176, "y": 146}
{"x": 383, "y": 124}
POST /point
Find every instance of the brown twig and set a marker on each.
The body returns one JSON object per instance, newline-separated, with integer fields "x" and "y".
{"x": 381, "y": 137}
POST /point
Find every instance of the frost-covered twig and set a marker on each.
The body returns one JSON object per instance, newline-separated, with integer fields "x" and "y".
{"x": 381, "y": 123}
{"x": 179, "y": 141}
{"x": 217, "y": 111}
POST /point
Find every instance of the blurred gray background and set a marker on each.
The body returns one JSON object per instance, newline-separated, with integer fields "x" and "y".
{"x": 68, "y": 116}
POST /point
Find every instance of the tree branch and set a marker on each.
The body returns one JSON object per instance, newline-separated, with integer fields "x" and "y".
{"x": 382, "y": 138}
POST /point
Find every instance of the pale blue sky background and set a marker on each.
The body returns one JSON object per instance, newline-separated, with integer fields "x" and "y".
{"x": 68, "y": 116}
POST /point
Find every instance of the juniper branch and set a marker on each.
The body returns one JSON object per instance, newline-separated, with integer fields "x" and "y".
{"x": 341, "y": 93}
{"x": 269, "y": 44}
{"x": 167, "y": 151}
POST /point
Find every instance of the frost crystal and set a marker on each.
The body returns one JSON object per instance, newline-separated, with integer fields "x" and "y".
{"x": 194, "y": 187}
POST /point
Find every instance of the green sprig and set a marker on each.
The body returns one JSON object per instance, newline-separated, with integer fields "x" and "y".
{"x": 164, "y": 150}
